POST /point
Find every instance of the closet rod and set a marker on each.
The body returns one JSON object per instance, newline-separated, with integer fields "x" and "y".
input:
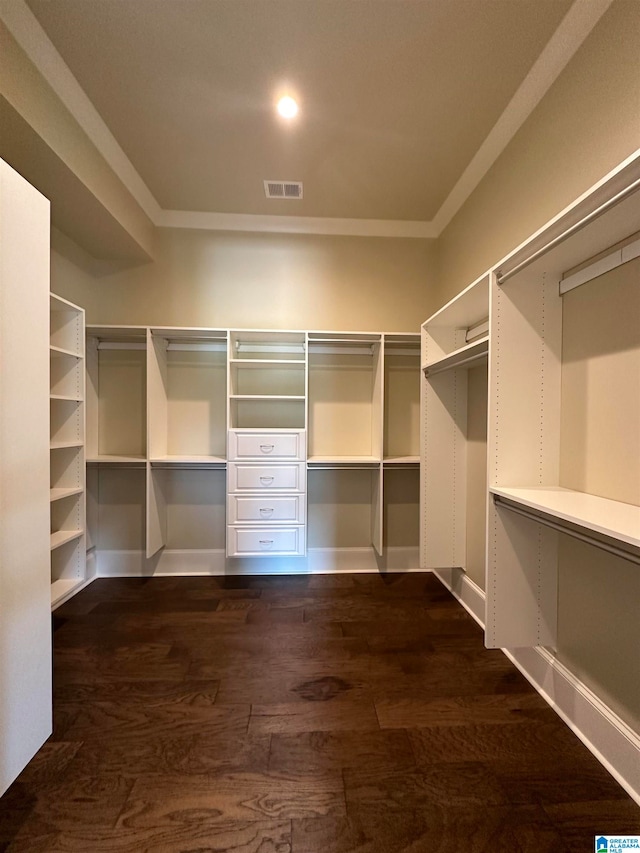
{"x": 360, "y": 348}
{"x": 582, "y": 537}
{"x": 120, "y": 345}
{"x": 199, "y": 346}
{"x": 431, "y": 371}
{"x": 502, "y": 277}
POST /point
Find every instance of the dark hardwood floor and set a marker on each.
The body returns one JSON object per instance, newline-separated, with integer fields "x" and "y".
{"x": 321, "y": 714}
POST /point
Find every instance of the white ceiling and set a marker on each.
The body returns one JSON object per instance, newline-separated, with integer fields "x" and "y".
{"x": 404, "y": 103}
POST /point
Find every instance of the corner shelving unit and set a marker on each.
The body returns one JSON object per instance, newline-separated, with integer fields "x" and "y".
{"x": 67, "y": 449}
{"x": 203, "y": 442}
{"x": 531, "y": 435}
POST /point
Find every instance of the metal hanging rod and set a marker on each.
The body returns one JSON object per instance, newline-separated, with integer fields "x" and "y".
{"x": 121, "y": 345}
{"x": 269, "y": 346}
{"x": 432, "y": 371}
{"x": 581, "y": 537}
{"x": 502, "y": 277}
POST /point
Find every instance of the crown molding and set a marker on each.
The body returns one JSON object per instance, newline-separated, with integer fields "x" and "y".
{"x": 561, "y": 47}
{"x": 295, "y": 224}
{"x": 571, "y": 33}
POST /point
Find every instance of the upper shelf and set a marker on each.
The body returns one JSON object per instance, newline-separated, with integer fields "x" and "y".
{"x": 466, "y": 356}
{"x": 614, "y": 519}
{"x": 469, "y": 307}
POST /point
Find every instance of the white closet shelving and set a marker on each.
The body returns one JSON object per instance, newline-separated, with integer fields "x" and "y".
{"x": 258, "y": 443}
{"x": 454, "y": 340}
{"x": 542, "y": 414}
{"x": 67, "y": 450}
{"x": 563, "y": 396}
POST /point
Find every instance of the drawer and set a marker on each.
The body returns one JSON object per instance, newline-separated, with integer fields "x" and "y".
{"x": 245, "y": 477}
{"x": 272, "y": 509}
{"x": 264, "y": 444}
{"x": 262, "y": 541}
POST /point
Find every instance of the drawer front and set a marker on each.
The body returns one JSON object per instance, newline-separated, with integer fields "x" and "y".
{"x": 267, "y": 445}
{"x": 253, "y": 541}
{"x": 270, "y": 509}
{"x": 274, "y": 478}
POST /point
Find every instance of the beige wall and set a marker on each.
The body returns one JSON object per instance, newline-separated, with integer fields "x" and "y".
{"x": 588, "y": 122}
{"x": 238, "y": 280}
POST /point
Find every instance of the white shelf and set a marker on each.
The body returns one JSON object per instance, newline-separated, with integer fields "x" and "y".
{"x": 344, "y": 460}
{"x": 215, "y": 460}
{"x": 60, "y": 352}
{"x": 63, "y": 445}
{"x": 614, "y": 519}
{"x": 59, "y": 494}
{"x": 64, "y": 588}
{"x": 255, "y": 397}
{"x": 69, "y": 398}
{"x": 466, "y": 356}
{"x": 61, "y": 537}
{"x": 121, "y": 459}
{"x": 401, "y": 460}
{"x": 262, "y": 363}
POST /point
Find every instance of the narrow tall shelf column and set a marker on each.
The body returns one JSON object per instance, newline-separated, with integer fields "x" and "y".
{"x": 454, "y": 340}
{"x": 67, "y": 454}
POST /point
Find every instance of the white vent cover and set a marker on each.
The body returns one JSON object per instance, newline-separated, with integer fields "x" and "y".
{"x": 283, "y": 189}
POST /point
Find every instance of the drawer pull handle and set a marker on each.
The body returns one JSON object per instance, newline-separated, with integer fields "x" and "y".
{"x": 266, "y": 510}
{"x": 266, "y": 543}
{"x": 267, "y": 448}
{"x": 266, "y": 480}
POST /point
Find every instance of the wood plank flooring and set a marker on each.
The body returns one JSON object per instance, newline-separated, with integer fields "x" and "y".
{"x": 320, "y": 714}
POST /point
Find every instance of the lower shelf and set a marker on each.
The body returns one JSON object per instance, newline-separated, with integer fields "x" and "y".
{"x": 64, "y": 588}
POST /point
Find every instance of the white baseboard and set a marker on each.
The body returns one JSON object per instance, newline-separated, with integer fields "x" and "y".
{"x": 468, "y": 593}
{"x": 214, "y": 562}
{"x": 602, "y": 731}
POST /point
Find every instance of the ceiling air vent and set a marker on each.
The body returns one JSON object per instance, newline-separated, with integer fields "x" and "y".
{"x": 283, "y": 189}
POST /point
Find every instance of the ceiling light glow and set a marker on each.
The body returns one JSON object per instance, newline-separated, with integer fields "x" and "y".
{"x": 287, "y": 107}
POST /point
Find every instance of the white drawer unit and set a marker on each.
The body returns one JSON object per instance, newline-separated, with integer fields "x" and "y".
{"x": 266, "y": 509}
{"x": 259, "y": 541}
{"x": 264, "y": 444}
{"x": 282, "y": 477}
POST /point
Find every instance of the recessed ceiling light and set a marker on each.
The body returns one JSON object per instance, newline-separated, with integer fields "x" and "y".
{"x": 287, "y": 107}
